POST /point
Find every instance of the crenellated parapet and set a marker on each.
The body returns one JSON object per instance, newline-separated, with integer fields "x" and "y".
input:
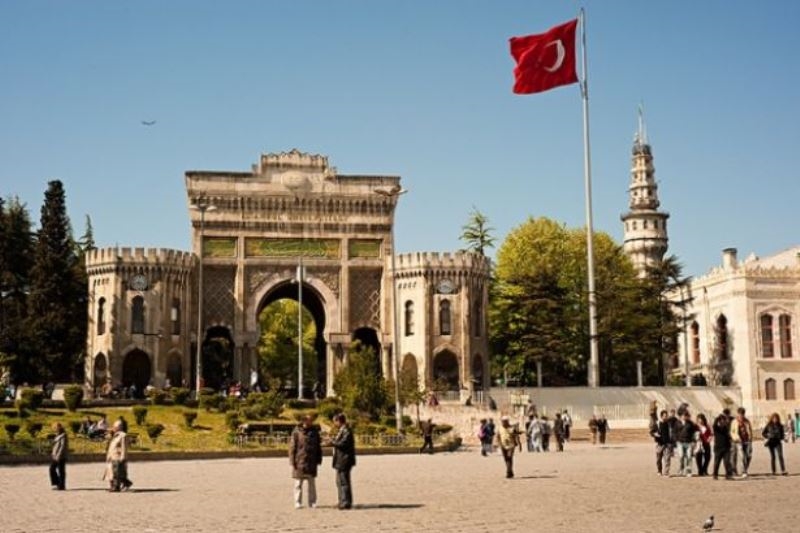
{"x": 147, "y": 260}
{"x": 435, "y": 265}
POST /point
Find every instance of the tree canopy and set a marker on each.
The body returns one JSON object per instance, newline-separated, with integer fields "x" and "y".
{"x": 277, "y": 349}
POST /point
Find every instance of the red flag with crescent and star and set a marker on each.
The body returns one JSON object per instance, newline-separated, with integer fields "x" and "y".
{"x": 545, "y": 60}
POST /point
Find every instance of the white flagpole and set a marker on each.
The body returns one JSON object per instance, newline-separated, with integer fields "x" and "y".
{"x": 594, "y": 358}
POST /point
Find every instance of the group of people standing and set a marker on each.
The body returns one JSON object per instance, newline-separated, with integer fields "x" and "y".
{"x": 730, "y": 437}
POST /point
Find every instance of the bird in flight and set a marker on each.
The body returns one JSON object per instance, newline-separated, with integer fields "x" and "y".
{"x": 148, "y": 122}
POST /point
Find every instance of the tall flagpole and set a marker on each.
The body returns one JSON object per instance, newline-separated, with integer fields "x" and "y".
{"x": 594, "y": 358}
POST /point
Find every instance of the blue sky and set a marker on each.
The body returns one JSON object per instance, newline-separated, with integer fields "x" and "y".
{"x": 420, "y": 89}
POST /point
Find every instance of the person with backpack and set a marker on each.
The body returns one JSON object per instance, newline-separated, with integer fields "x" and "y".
{"x": 773, "y": 439}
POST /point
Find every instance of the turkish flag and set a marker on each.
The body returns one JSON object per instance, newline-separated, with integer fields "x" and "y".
{"x": 545, "y": 60}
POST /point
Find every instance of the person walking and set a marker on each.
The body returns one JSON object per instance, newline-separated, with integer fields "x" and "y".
{"x": 535, "y": 435}
{"x": 546, "y": 432}
{"x": 790, "y": 428}
{"x": 508, "y": 440}
{"x": 593, "y": 428}
{"x": 742, "y": 436}
{"x": 602, "y": 429}
{"x": 773, "y": 436}
{"x": 722, "y": 445}
{"x": 426, "y": 428}
{"x": 58, "y": 459}
{"x": 482, "y": 436}
{"x": 686, "y": 438}
{"x": 305, "y": 455}
{"x": 660, "y": 431}
{"x": 117, "y": 459}
{"x": 344, "y": 459}
{"x": 558, "y": 431}
{"x": 567, "y": 422}
{"x": 703, "y": 454}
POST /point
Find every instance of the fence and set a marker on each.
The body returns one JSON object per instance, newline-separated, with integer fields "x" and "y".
{"x": 371, "y": 441}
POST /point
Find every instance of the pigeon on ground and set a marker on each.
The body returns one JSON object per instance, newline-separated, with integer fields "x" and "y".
{"x": 708, "y": 525}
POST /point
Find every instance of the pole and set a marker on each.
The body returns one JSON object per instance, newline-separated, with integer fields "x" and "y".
{"x": 300, "y": 330}
{"x": 685, "y": 341}
{"x": 594, "y": 358}
{"x": 398, "y": 408}
{"x": 198, "y": 363}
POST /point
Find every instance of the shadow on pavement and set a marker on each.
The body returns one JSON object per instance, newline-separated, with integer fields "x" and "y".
{"x": 388, "y": 506}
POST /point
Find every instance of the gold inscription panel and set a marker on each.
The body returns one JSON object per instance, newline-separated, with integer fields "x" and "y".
{"x": 326, "y": 248}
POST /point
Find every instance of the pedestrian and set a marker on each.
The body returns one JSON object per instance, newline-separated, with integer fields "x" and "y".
{"x": 686, "y": 438}
{"x": 593, "y": 428}
{"x": 773, "y": 439}
{"x": 117, "y": 459}
{"x": 742, "y": 436}
{"x": 733, "y": 454}
{"x": 790, "y": 428}
{"x": 535, "y": 435}
{"x": 58, "y": 459}
{"x": 123, "y": 423}
{"x": 703, "y": 454}
{"x": 482, "y": 431}
{"x": 426, "y": 428}
{"x": 490, "y": 432}
{"x": 722, "y": 445}
{"x": 660, "y": 431}
{"x": 546, "y": 432}
{"x": 567, "y": 421}
{"x": 508, "y": 440}
{"x": 344, "y": 459}
{"x": 558, "y": 431}
{"x": 305, "y": 455}
{"x": 602, "y": 429}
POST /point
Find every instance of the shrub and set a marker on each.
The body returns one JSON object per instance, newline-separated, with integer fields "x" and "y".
{"x": 329, "y": 407}
{"x": 192, "y": 403}
{"x": 11, "y": 430}
{"x": 157, "y": 396}
{"x": 189, "y": 417}
{"x": 33, "y": 427}
{"x": 154, "y": 430}
{"x": 73, "y": 396}
{"x": 295, "y": 403}
{"x": 440, "y": 429}
{"x": 251, "y": 413}
{"x": 407, "y": 421}
{"x": 179, "y": 395}
{"x": 30, "y": 399}
{"x": 75, "y": 426}
{"x": 209, "y": 399}
{"x": 140, "y": 414}
{"x": 269, "y": 404}
{"x": 232, "y": 420}
{"x": 389, "y": 421}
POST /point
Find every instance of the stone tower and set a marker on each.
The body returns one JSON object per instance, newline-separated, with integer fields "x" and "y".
{"x": 645, "y": 227}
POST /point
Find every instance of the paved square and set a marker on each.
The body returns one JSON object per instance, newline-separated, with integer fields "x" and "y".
{"x": 585, "y": 489}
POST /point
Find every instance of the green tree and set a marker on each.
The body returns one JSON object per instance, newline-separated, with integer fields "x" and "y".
{"x": 277, "y": 349}
{"x": 55, "y": 309}
{"x": 359, "y": 384}
{"x": 476, "y": 233}
{"x": 86, "y": 242}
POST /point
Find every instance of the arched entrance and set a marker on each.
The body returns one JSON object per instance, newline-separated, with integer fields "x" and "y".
{"x": 286, "y": 368}
{"x": 175, "y": 370}
{"x": 369, "y": 337}
{"x": 477, "y": 372}
{"x": 445, "y": 370}
{"x": 217, "y": 357}
{"x": 409, "y": 373}
{"x": 136, "y": 370}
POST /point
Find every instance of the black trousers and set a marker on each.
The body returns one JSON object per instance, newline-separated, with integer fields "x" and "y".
{"x": 345, "y": 488}
{"x": 703, "y": 458}
{"x": 723, "y": 456}
{"x": 58, "y": 474}
{"x": 427, "y": 444}
{"x": 508, "y": 457}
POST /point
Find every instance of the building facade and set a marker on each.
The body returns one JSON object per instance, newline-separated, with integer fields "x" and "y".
{"x": 253, "y": 230}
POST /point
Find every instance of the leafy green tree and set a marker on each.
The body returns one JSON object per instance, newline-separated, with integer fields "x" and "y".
{"x": 359, "y": 384}
{"x": 476, "y": 233}
{"x": 55, "y": 310}
{"x": 277, "y": 349}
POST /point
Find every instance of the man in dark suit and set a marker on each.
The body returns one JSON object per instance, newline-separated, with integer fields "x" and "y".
{"x": 344, "y": 459}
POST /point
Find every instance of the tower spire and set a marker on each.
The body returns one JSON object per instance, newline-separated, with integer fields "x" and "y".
{"x": 641, "y": 135}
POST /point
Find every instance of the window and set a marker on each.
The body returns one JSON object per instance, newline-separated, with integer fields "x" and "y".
{"x": 445, "y": 323}
{"x": 785, "y": 327}
{"x": 101, "y": 316}
{"x": 137, "y": 315}
{"x": 478, "y": 318}
{"x": 644, "y": 224}
{"x": 634, "y": 225}
{"x": 695, "y": 343}
{"x": 769, "y": 389}
{"x": 175, "y": 316}
{"x": 788, "y": 389}
{"x": 767, "y": 346}
{"x": 721, "y": 338}
{"x": 409, "y": 318}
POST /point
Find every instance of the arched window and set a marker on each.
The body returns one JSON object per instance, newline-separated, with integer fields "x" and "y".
{"x": 721, "y": 340}
{"x": 175, "y": 316}
{"x": 785, "y": 327}
{"x": 788, "y": 389}
{"x": 767, "y": 345}
{"x": 445, "y": 324}
{"x": 695, "y": 343}
{"x": 137, "y": 315}
{"x": 477, "y": 317}
{"x": 101, "y": 316}
{"x": 409, "y": 318}
{"x": 769, "y": 390}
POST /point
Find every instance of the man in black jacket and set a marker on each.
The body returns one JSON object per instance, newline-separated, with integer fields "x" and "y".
{"x": 722, "y": 445}
{"x": 662, "y": 435}
{"x": 344, "y": 459}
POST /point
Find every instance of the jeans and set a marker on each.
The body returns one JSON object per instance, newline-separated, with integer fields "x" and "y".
{"x": 312, "y": 491}
{"x": 687, "y": 451}
{"x": 345, "y": 488}
{"x": 663, "y": 456}
{"x": 58, "y": 473}
{"x": 746, "y": 449}
{"x": 777, "y": 450}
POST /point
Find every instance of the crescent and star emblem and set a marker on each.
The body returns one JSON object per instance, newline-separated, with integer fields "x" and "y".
{"x": 560, "y": 53}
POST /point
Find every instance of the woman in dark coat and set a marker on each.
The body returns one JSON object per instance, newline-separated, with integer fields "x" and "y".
{"x": 305, "y": 455}
{"x": 773, "y": 439}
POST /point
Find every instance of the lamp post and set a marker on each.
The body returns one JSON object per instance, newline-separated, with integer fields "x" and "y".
{"x": 394, "y": 193}
{"x": 299, "y": 280}
{"x": 201, "y": 206}
{"x": 685, "y": 340}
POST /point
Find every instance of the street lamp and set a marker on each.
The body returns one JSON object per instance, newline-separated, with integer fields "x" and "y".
{"x": 394, "y": 193}
{"x": 685, "y": 339}
{"x": 299, "y": 280}
{"x": 201, "y": 206}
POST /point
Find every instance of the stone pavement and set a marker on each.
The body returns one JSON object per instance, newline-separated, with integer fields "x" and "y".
{"x": 587, "y": 488}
